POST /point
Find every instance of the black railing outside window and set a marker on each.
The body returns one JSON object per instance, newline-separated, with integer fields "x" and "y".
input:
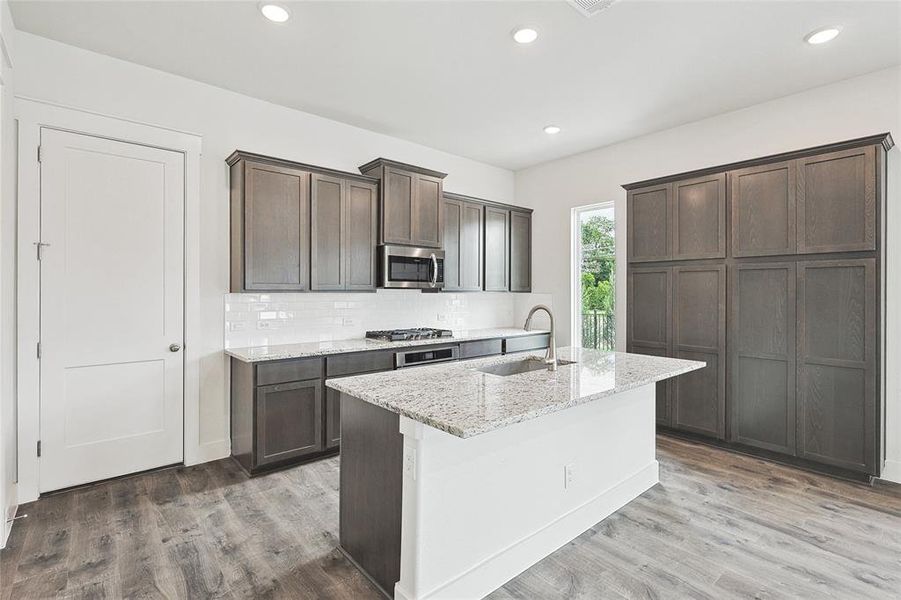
{"x": 598, "y": 330}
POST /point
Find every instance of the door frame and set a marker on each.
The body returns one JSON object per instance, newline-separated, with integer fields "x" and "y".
{"x": 575, "y": 266}
{"x": 33, "y": 115}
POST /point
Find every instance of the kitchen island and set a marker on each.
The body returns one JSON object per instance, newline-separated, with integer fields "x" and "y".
{"x": 456, "y": 477}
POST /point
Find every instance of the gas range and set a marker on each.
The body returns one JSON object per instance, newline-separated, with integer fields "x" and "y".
{"x": 403, "y": 335}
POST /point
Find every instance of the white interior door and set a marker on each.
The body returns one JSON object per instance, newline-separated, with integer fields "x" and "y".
{"x": 112, "y": 281}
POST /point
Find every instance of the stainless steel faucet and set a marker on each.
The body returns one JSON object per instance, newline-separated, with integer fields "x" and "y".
{"x": 551, "y": 356}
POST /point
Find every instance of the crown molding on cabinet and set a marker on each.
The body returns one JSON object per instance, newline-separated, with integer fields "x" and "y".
{"x": 883, "y": 139}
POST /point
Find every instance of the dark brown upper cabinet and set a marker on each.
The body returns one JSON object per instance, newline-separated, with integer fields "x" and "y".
{"x": 270, "y": 227}
{"x": 838, "y": 420}
{"x": 344, "y": 230}
{"x": 412, "y": 203}
{"x": 463, "y": 239}
{"x": 520, "y": 251}
{"x": 699, "y": 217}
{"x": 648, "y": 218}
{"x": 837, "y": 201}
{"x": 762, "y": 355}
{"x": 649, "y": 324}
{"x": 328, "y": 204}
{"x": 699, "y": 333}
{"x": 297, "y": 227}
{"x": 497, "y": 244}
{"x": 362, "y": 213}
{"x": 763, "y": 209}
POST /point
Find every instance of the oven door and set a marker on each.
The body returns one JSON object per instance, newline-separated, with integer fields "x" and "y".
{"x": 403, "y": 267}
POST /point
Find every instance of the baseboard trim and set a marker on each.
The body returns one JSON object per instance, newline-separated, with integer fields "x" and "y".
{"x": 8, "y": 524}
{"x": 499, "y": 568}
{"x": 892, "y": 471}
{"x": 210, "y": 451}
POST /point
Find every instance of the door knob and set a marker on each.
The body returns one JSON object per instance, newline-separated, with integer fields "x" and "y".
{"x": 174, "y": 347}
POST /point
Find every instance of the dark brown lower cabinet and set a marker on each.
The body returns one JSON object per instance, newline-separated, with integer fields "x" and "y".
{"x": 762, "y": 355}
{"x": 332, "y": 418}
{"x": 699, "y": 333}
{"x": 288, "y": 417}
{"x": 277, "y": 412}
{"x": 837, "y": 385}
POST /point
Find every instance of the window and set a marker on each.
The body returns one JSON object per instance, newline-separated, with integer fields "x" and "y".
{"x": 594, "y": 276}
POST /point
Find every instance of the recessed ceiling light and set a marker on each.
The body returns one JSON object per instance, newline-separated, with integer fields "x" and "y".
{"x": 525, "y": 35}
{"x": 552, "y": 130}
{"x": 822, "y": 35}
{"x": 275, "y": 12}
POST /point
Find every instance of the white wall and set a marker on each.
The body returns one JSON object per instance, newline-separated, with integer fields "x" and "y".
{"x": 849, "y": 109}
{"x": 54, "y": 72}
{"x": 7, "y": 277}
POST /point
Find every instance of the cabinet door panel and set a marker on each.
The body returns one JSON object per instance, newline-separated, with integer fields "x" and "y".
{"x": 697, "y": 401}
{"x": 428, "y": 216}
{"x": 699, "y": 217}
{"x": 837, "y": 201}
{"x": 763, "y": 210}
{"x": 453, "y": 245}
{"x": 699, "y": 333}
{"x": 663, "y": 400}
{"x": 471, "y": 247}
{"x": 288, "y": 420}
{"x": 327, "y": 202}
{"x": 762, "y": 370}
{"x": 520, "y": 251}
{"x": 837, "y": 385}
{"x": 332, "y": 418}
{"x": 497, "y": 265}
{"x": 648, "y": 223}
{"x": 649, "y": 307}
{"x": 276, "y": 228}
{"x": 397, "y": 221}
{"x": 362, "y": 236}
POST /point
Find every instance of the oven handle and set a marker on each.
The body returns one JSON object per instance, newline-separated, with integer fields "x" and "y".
{"x": 434, "y": 279}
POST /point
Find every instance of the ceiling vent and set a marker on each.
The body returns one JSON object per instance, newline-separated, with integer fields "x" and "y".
{"x": 590, "y": 8}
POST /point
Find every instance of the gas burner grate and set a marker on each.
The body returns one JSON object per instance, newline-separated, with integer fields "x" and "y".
{"x": 414, "y": 333}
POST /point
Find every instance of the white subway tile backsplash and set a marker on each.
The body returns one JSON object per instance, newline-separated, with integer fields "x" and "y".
{"x": 266, "y": 319}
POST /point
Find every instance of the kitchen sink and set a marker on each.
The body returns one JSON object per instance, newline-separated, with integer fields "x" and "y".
{"x": 520, "y": 366}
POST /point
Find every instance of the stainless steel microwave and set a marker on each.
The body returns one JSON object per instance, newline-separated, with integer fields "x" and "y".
{"x": 405, "y": 267}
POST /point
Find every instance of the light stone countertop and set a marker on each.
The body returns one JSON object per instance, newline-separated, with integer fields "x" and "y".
{"x": 312, "y": 349}
{"x": 458, "y": 398}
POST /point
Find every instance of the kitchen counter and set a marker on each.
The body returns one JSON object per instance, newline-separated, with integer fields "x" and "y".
{"x": 312, "y": 349}
{"x": 454, "y": 480}
{"x": 463, "y": 401}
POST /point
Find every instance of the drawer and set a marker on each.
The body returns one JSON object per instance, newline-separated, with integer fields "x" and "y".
{"x": 481, "y": 348}
{"x": 359, "y": 362}
{"x": 526, "y": 342}
{"x": 283, "y": 371}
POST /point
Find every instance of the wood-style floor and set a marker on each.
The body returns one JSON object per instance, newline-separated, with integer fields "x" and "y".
{"x": 719, "y": 525}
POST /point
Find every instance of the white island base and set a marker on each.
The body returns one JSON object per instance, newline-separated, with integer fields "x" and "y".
{"x": 478, "y": 511}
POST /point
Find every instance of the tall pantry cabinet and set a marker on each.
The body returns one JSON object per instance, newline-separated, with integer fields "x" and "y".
{"x": 770, "y": 271}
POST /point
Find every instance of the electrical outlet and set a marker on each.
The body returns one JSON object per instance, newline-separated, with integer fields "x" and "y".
{"x": 410, "y": 461}
{"x": 569, "y": 476}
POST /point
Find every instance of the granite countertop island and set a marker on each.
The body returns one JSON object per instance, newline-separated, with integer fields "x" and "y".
{"x": 462, "y": 400}
{"x": 453, "y": 479}
{"x": 311, "y": 349}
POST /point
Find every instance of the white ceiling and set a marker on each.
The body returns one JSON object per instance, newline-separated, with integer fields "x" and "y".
{"x": 448, "y": 75}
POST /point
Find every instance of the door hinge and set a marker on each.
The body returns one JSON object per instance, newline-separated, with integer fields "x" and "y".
{"x": 39, "y": 154}
{"x": 39, "y": 350}
{"x": 40, "y": 246}
{"x": 39, "y": 448}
